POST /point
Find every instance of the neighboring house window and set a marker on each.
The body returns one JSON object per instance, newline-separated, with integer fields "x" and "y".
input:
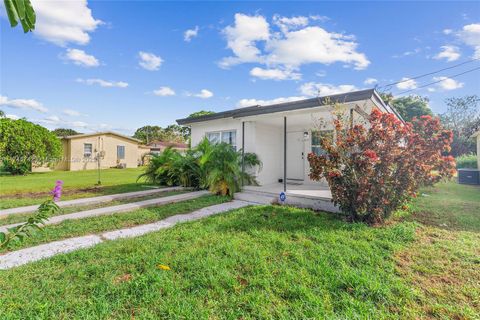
{"x": 120, "y": 152}
{"x": 229, "y": 137}
{"x": 87, "y": 150}
{"x": 317, "y": 136}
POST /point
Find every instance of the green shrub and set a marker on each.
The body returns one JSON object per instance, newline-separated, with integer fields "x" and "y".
{"x": 217, "y": 167}
{"x": 467, "y": 161}
{"x": 23, "y": 143}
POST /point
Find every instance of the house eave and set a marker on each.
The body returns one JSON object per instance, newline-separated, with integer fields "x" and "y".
{"x": 289, "y": 106}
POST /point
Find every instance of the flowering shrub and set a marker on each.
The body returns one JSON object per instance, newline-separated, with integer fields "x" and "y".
{"x": 46, "y": 209}
{"x": 373, "y": 171}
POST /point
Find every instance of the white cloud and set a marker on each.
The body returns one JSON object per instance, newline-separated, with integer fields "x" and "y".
{"x": 313, "y": 89}
{"x": 447, "y": 31}
{"x": 242, "y": 37}
{"x": 448, "y": 83}
{"x": 408, "y": 53}
{"x": 275, "y": 74}
{"x": 54, "y": 121}
{"x": 72, "y": 113}
{"x": 149, "y": 61}
{"x": 52, "y": 118}
{"x": 103, "y": 83}
{"x": 252, "y": 41}
{"x": 407, "y": 84}
{"x": 254, "y": 102}
{"x": 190, "y": 34}
{"x": 164, "y": 92}
{"x": 22, "y": 104}
{"x": 81, "y": 58}
{"x": 316, "y": 45}
{"x": 370, "y": 81}
{"x": 319, "y": 18}
{"x": 450, "y": 53}
{"x": 63, "y": 22}
{"x": 79, "y": 124}
{"x": 286, "y": 24}
{"x": 12, "y": 116}
{"x": 470, "y": 35}
{"x": 204, "y": 94}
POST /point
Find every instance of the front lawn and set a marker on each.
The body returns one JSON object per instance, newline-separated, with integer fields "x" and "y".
{"x": 265, "y": 262}
{"x": 34, "y": 188}
{"x": 85, "y": 226}
{"x": 449, "y": 206}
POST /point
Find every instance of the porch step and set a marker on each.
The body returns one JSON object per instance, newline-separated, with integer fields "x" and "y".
{"x": 255, "y": 197}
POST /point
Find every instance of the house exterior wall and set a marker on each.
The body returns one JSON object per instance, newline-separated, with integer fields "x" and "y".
{"x": 200, "y": 129}
{"x": 269, "y": 148}
{"x": 267, "y": 140}
{"x": 74, "y": 152}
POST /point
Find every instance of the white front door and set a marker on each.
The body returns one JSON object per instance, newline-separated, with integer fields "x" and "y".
{"x": 295, "y": 154}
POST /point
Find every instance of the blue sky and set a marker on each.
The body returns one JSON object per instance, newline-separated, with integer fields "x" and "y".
{"x": 105, "y": 65}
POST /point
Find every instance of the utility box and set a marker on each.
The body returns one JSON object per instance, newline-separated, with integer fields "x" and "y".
{"x": 469, "y": 176}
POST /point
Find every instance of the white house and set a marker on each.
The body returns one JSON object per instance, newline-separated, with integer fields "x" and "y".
{"x": 282, "y": 135}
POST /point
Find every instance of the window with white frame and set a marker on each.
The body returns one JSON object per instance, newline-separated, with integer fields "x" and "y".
{"x": 87, "y": 150}
{"x": 120, "y": 152}
{"x": 229, "y": 137}
{"x": 317, "y": 136}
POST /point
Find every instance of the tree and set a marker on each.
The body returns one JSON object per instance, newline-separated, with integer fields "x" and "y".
{"x": 148, "y": 133}
{"x": 64, "y": 132}
{"x": 172, "y": 133}
{"x": 373, "y": 171}
{"x": 410, "y": 106}
{"x": 178, "y": 133}
{"x": 21, "y": 10}
{"x": 23, "y": 142}
{"x": 2, "y": 114}
{"x": 200, "y": 113}
{"x": 463, "y": 119}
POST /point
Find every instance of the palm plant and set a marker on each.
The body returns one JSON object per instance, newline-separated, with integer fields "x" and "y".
{"x": 224, "y": 169}
{"x": 217, "y": 167}
{"x": 159, "y": 170}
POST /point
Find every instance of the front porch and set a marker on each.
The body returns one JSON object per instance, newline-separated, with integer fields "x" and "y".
{"x": 311, "y": 196}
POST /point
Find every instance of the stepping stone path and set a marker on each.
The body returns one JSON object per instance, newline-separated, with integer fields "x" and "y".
{"x": 117, "y": 209}
{"x": 92, "y": 200}
{"x": 24, "y": 256}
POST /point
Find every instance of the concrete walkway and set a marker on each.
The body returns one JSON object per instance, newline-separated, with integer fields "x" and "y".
{"x": 92, "y": 200}
{"x": 117, "y": 209}
{"x": 24, "y": 256}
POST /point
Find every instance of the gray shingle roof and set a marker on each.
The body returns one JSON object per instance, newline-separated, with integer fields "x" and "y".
{"x": 290, "y": 106}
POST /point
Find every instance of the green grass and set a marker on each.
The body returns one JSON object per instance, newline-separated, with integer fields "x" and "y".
{"x": 74, "y": 228}
{"x": 23, "y": 217}
{"x": 449, "y": 206}
{"x": 34, "y": 188}
{"x": 258, "y": 262}
{"x": 265, "y": 262}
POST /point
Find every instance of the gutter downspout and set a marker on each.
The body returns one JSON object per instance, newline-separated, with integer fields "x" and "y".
{"x": 284, "y": 154}
{"x": 243, "y": 151}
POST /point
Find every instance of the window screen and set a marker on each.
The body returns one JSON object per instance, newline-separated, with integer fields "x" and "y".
{"x": 317, "y": 136}
{"x": 87, "y": 150}
{"x": 120, "y": 152}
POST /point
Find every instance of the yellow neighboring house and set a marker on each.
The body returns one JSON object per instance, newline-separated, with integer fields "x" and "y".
{"x": 81, "y": 152}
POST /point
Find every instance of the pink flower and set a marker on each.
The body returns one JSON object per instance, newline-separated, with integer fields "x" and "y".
{"x": 372, "y": 155}
{"x": 57, "y": 191}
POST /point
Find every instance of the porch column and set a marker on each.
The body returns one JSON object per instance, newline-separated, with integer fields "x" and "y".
{"x": 243, "y": 150}
{"x": 284, "y": 154}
